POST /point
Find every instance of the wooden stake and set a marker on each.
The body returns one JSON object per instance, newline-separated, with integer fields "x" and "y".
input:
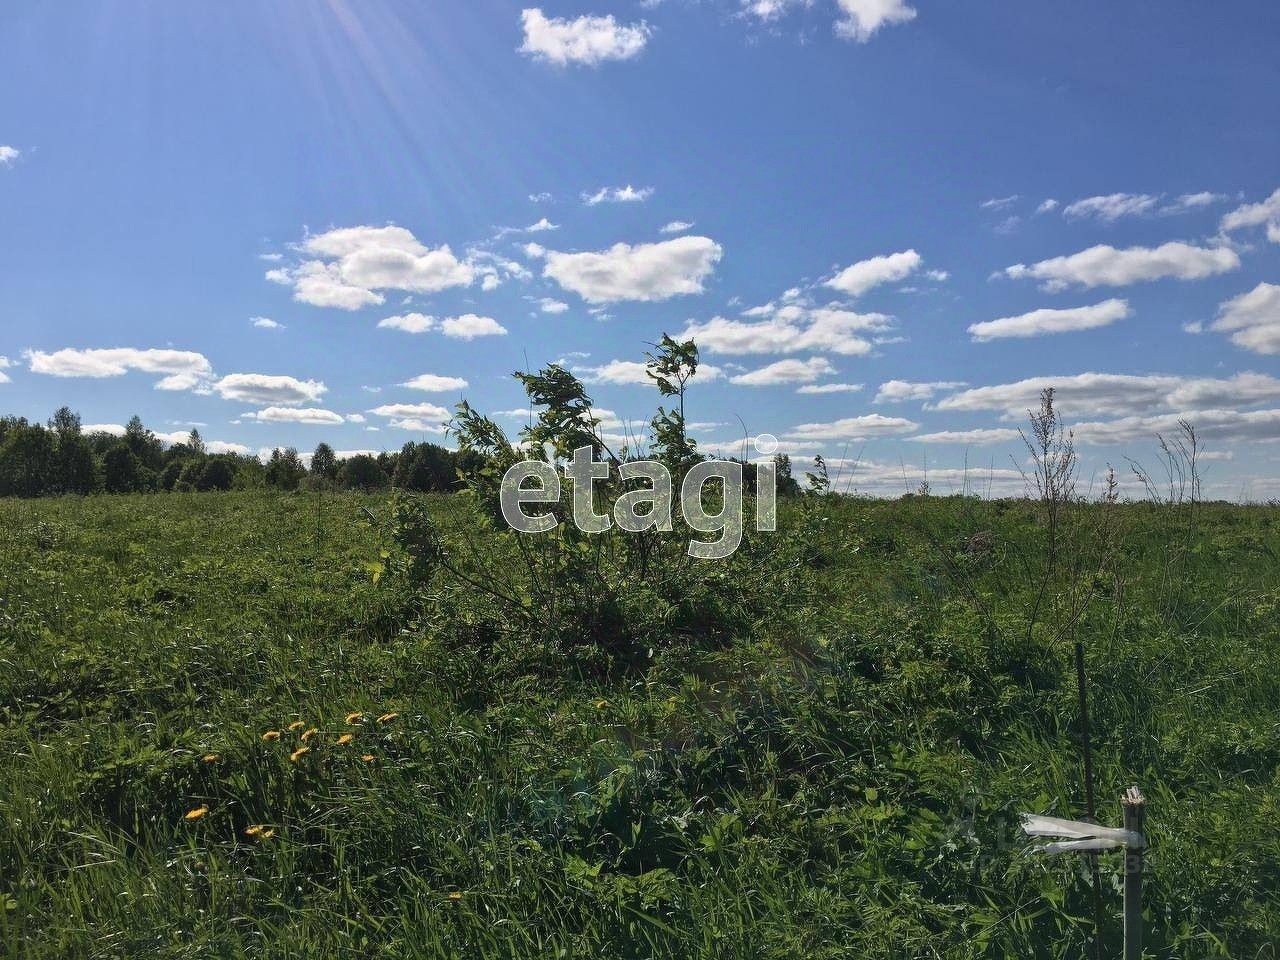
{"x": 1135, "y": 817}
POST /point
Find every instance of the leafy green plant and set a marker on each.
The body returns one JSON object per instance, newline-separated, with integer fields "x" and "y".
{"x": 607, "y": 599}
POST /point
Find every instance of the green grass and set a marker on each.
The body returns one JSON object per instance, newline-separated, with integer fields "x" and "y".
{"x": 842, "y": 782}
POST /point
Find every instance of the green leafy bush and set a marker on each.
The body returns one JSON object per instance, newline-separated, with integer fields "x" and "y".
{"x": 597, "y": 602}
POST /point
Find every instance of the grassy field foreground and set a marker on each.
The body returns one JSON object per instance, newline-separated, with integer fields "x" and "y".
{"x": 230, "y": 726}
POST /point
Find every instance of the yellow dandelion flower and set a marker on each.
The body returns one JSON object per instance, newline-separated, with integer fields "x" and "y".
{"x": 253, "y": 831}
{"x": 367, "y": 758}
{"x": 299, "y": 754}
{"x": 297, "y": 725}
{"x": 355, "y": 717}
{"x": 271, "y": 735}
{"x": 387, "y": 717}
{"x": 345, "y": 739}
{"x": 455, "y": 895}
{"x": 266, "y": 834}
{"x": 197, "y": 813}
{"x": 601, "y": 704}
{"x": 212, "y": 757}
{"x": 309, "y": 734}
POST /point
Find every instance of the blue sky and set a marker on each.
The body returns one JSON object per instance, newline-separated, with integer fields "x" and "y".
{"x": 848, "y": 187}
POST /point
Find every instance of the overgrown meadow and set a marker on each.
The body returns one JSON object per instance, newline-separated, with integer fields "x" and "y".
{"x": 840, "y": 780}
{"x": 325, "y": 724}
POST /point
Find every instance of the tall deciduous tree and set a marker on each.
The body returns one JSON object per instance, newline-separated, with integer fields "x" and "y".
{"x": 122, "y": 470}
{"x": 28, "y": 461}
{"x": 284, "y": 469}
{"x": 324, "y": 462}
{"x": 143, "y": 444}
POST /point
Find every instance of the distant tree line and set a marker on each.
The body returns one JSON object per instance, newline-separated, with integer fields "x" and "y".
{"x": 61, "y": 458}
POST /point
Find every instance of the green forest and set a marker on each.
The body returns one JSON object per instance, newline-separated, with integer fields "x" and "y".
{"x": 60, "y": 458}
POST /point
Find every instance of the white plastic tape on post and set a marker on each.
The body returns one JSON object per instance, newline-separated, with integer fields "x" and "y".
{"x": 1079, "y": 835}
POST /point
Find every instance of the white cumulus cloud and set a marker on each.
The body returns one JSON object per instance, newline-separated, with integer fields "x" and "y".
{"x": 898, "y": 391}
{"x": 180, "y": 369}
{"x": 351, "y": 267}
{"x": 225, "y": 446}
{"x": 1253, "y": 319}
{"x": 635, "y": 372}
{"x": 416, "y": 424}
{"x": 409, "y": 322}
{"x": 1087, "y": 394}
{"x": 308, "y": 416}
{"x": 790, "y": 328}
{"x": 589, "y": 40}
{"x": 1211, "y": 426}
{"x": 767, "y": 10}
{"x": 857, "y": 19}
{"x": 418, "y": 417}
{"x": 469, "y": 326}
{"x": 434, "y": 383}
{"x": 1040, "y": 322}
{"x": 1255, "y": 215}
{"x": 785, "y": 371}
{"x": 265, "y": 388}
{"x": 853, "y": 428}
{"x": 645, "y": 272}
{"x": 857, "y": 279}
{"x": 862, "y": 18}
{"x": 322, "y": 285}
{"x": 1104, "y": 265}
